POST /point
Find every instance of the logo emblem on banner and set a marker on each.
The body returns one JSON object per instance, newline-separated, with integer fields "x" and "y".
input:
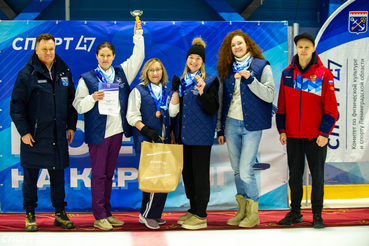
{"x": 358, "y": 21}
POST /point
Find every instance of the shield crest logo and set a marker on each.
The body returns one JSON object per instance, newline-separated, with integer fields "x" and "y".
{"x": 65, "y": 81}
{"x": 358, "y": 21}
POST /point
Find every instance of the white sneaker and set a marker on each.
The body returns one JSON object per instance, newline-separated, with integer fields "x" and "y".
{"x": 103, "y": 224}
{"x": 150, "y": 223}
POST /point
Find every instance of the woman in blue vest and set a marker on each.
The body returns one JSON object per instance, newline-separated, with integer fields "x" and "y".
{"x": 149, "y": 115}
{"x": 195, "y": 97}
{"x": 104, "y": 130}
{"x": 246, "y": 94}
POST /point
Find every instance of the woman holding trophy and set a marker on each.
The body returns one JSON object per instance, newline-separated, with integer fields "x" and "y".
{"x": 195, "y": 101}
{"x": 105, "y": 120}
{"x": 148, "y": 113}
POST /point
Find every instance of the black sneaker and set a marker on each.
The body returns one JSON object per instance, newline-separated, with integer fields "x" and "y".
{"x": 318, "y": 222}
{"x": 61, "y": 219}
{"x": 291, "y": 218}
{"x": 31, "y": 224}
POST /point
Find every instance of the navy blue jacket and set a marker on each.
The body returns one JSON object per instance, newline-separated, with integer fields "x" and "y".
{"x": 95, "y": 123}
{"x": 196, "y": 121}
{"x": 257, "y": 114}
{"x": 43, "y": 107}
{"x": 148, "y": 111}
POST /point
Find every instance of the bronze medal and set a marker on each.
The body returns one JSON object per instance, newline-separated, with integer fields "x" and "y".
{"x": 237, "y": 76}
{"x": 158, "y": 114}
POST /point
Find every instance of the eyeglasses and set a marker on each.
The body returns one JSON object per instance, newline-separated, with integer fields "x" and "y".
{"x": 156, "y": 70}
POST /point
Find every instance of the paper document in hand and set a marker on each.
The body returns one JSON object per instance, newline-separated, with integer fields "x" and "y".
{"x": 110, "y": 104}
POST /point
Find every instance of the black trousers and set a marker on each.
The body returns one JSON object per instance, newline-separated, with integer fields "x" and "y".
{"x": 30, "y": 189}
{"x": 297, "y": 148}
{"x": 196, "y": 177}
{"x": 153, "y": 204}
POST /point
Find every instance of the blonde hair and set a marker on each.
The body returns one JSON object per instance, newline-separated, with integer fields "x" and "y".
{"x": 144, "y": 72}
{"x": 196, "y": 41}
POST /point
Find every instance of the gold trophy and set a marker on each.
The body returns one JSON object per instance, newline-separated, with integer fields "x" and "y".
{"x": 136, "y": 14}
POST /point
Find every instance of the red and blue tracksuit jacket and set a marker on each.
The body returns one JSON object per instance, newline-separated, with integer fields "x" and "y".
{"x": 307, "y": 104}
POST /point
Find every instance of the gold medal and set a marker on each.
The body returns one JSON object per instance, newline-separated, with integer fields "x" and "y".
{"x": 158, "y": 114}
{"x": 237, "y": 76}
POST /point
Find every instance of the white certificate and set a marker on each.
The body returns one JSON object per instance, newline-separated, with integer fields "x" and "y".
{"x": 110, "y": 104}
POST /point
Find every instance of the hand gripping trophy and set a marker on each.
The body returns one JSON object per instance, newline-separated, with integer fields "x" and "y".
{"x": 137, "y": 13}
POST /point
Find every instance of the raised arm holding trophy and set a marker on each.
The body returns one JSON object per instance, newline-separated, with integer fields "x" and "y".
{"x": 136, "y": 14}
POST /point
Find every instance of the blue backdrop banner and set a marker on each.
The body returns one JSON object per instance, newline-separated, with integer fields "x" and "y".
{"x": 76, "y": 43}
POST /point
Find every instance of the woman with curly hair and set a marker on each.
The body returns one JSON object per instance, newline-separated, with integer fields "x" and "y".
{"x": 246, "y": 94}
{"x": 195, "y": 96}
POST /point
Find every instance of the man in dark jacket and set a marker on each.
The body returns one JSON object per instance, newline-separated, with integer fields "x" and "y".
{"x": 307, "y": 113}
{"x": 41, "y": 109}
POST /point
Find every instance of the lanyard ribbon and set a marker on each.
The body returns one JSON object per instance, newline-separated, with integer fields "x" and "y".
{"x": 239, "y": 66}
{"x": 187, "y": 81}
{"x": 163, "y": 98}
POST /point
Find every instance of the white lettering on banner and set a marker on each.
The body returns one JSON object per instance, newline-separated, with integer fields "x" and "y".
{"x": 15, "y": 44}
{"x": 73, "y": 151}
{"x": 211, "y": 176}
{"x": 122, "y": 177}
{"x": 16, "y": 178}
{"x": 44, "y": 179}
{"x": 68, "y": 42}
{"x": 221, "y": 171}
{"x": 58, "y": 41}
{"x": 87, "y": 41}
{"x": 74, "y": 177}
{"x": 78, "y": 47}
{"x": 336, "y": 71}
{"x": 33, "y": 40}
{"x": 80, "y": 177}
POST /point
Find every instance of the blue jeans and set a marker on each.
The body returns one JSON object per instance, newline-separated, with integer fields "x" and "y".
{"x": 243, "y": 147}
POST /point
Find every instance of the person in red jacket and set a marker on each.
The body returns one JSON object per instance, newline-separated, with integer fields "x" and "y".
{"x": 307, "y": 113}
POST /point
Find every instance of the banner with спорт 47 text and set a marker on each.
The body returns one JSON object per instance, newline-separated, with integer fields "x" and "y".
{"x": 76, "y": 43}
{"x": 343, "y": 46}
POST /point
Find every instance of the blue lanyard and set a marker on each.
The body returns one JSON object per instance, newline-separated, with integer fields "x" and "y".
{"x": 184, "y": 85}
{"x": 100, "y": 76}
{"x": 237, "y": 67}
{"x": 162, "y": 102}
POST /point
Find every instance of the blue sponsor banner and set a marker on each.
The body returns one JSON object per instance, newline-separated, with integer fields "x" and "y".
{"x": 76, "y": 43}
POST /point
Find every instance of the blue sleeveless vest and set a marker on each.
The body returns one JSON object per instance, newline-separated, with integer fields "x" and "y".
{"x": 148, "y": 110}
{"x": 95, "y": 123}
{"x": 198, "y": 127}
{"x": 257, "y": 114}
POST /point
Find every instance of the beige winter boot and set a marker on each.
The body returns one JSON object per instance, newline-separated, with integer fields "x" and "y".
{"x": 241, "y": 211}
{"x": 252, "y": 214}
